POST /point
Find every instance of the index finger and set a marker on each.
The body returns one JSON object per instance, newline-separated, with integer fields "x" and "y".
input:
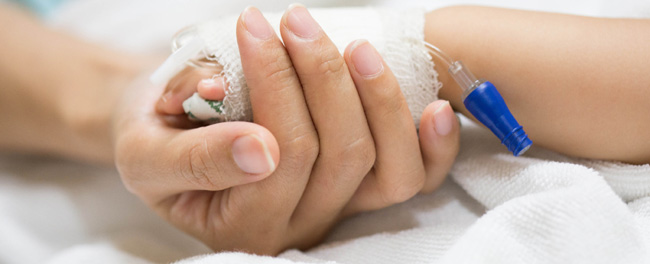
{"x": 279, "y": 105}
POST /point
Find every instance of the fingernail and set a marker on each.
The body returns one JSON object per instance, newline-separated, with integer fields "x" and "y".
{"x": 212, "y": 89}
{"x": 252, "y": 155}
{"x": 366, "y": 59}
{"x": 166, "y": 96}
{"x": 256, "y": 24}
{"x": 161, "y": 105}
{"x": 300, "y": 22}
{"x": 209, "y": 83}
{"x": 443, "y": 120}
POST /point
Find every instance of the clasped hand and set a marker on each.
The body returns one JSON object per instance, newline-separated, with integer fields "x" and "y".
{"x": 332, "y": 136}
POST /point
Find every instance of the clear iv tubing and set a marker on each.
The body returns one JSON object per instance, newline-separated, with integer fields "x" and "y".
{"x": 482, "y": 99}
{"x": 456, "y": 69}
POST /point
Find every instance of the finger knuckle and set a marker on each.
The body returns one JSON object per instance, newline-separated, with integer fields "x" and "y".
{"x": 330, "y": 62}
{"x": 279, "y": 68}
{"x": 409, "y": 185}
{"x": 198, "y": 166}
{"x": 354, "y": 158}
{"x": 303, "y": 148}
{"x": 388, "y": 98}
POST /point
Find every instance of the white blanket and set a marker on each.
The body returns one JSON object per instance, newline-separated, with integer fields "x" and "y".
{"x": 541, "y": 208}
{"x": 544, "y": 208}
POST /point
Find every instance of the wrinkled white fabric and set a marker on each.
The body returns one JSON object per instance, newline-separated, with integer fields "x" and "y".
{"x": 397, "y": 35}
{"x": 543, "y": 208}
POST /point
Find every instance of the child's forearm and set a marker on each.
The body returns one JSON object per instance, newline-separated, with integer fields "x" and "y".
{"x": 578, "y": 85}
{"x": 57, "y": 92}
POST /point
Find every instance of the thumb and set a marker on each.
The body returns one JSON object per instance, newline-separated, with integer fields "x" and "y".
{"x": 439, "y": 142}
{"x": 168, "y": 161}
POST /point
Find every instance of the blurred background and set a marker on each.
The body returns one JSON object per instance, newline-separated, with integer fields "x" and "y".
{"x": 147, "y": 25}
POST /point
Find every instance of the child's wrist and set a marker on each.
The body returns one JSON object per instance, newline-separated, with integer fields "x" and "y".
{"x": 440, "y": 31}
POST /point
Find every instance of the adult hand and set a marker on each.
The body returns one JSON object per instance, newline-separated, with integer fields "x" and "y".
{"x": 340, "y": 140}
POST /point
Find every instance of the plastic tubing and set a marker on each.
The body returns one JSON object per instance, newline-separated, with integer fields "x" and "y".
{"x": 483, "y": 100}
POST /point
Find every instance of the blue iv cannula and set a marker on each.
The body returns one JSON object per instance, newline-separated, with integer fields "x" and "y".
{"x": 483, "y": 100}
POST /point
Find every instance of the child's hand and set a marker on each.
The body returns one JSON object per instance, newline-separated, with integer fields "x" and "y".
{"x": 205, "y": 81}
{"x": 339, "y": 141}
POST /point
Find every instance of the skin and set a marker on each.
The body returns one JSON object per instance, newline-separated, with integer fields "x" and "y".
{"x": 347, "y": 152}
{"x": 324, "y": 165}
{"x": 42, "y": 102}
{"x": 189, "y": 176}
{"x": 578, "y": 85}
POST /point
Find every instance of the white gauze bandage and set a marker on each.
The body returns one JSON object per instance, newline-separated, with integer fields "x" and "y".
{"x": 397, "y": 35}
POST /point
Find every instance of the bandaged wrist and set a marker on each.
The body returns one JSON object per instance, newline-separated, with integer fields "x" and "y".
{"x": 397, "y": 35}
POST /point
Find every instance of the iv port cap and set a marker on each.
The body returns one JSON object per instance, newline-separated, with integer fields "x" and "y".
{"x": 487, "y": 105}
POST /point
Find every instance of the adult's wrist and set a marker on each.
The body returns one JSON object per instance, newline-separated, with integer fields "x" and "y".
{"x": 88, "y": 104}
